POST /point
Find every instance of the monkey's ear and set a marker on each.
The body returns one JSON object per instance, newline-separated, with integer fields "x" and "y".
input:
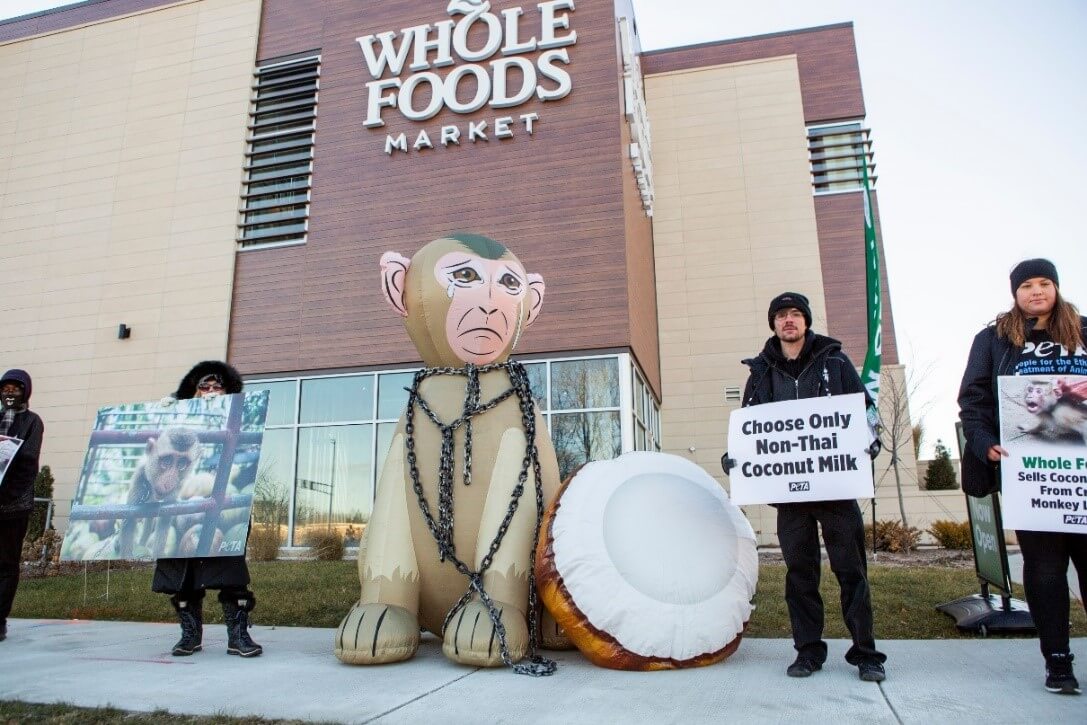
{"x": 535, "y": 297}
{"x": 394, "y": 270}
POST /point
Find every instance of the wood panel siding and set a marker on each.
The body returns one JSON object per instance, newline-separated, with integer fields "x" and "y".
{"x": 556, "y": 198}
{"x": 841, "y": 250}
{"x": 826, "y": 57}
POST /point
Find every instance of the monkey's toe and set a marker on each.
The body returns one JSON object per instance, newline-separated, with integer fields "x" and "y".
{"x": 374, "y": 634}
{"x": 471, "y": 638}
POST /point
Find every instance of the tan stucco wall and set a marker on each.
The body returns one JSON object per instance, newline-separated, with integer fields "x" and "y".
{"x": 734, "y": 225}
{"x": 121, "y": 151}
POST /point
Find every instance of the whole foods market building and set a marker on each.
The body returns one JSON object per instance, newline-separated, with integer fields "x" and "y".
{"x": 223, "y": 175}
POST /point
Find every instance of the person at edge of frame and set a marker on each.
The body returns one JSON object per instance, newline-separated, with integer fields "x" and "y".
{"x": 186, "y": 580}
{"x": 17, "y": 486}
{"x": 796, "y": 363}
{"x": 1014, "y": 344}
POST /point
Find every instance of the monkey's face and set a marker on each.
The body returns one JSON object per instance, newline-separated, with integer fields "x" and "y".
{"x": 1038, "y": 397}
{"x": 171, "y": 458}
{"x": 485, "y": 307}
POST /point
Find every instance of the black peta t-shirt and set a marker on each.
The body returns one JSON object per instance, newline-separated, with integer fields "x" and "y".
{"x": 1041, "y": 356}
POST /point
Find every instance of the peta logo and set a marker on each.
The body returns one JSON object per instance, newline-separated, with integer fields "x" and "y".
{"x": 1077, "y": 519}
{"x": 795, "y": 486}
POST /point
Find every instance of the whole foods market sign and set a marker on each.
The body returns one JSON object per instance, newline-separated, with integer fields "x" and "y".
{"x": 401, "y": 64}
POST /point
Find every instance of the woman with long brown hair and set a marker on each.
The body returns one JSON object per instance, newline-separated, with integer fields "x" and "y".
{"x": 1042, "y": 333}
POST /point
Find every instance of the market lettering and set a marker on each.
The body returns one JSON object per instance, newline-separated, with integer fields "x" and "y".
{"x": 424, "y": 94}
{"x": 451, "y": 135}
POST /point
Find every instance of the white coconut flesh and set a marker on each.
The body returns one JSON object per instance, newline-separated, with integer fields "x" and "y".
{"x": 653, "y": 553}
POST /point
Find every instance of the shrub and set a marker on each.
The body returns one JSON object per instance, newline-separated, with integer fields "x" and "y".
{"x": 43, "y": 488}
{"x": 325, "y": 545}
{"x": 940, "y": 475}
{"x": 263, "y": 542}
{"x": 44, "y": 548}
{"x": 952, "y": 534}
{"x": 892, "y": 536}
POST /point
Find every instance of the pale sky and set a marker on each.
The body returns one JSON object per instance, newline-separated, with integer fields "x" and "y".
{"x": 977, "y": 112}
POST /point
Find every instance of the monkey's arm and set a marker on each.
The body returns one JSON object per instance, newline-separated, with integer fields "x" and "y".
{"x": 977, "y": 401}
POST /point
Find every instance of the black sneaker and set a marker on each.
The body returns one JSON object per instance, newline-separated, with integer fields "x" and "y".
{"x": 3, "y": 632}
{"x": 871, "y": 671}
{"x": 1058, "y": 675}
{"x": 803, "y": 667}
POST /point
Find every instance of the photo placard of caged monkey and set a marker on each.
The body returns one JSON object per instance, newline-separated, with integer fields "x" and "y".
{"x": 169, "y": 460}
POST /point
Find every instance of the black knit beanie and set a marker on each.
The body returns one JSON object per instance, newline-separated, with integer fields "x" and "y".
{"x": 1031, "y": 268}
{"x": 789, "y": 299}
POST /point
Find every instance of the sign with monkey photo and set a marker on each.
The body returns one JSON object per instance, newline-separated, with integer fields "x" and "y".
{"x": 8, "y": 448}
{"x": 1043, "y": 426}
{"x": 168, "y": 481}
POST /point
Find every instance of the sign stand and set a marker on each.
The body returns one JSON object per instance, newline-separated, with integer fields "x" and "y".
{"x": 986, "y": 612}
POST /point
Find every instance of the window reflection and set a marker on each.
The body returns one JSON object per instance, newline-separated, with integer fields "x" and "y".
{"x": 585, "y": 384}
{"x": 281, "y": 400}
{"x": 272, "y": 493}
{"x": 334, "y": 474}
{"x": 392, "y": 397}
{"x": 583, "y": 437}
{"x": 328, "y": 400}
{"x": 537, "y": 381}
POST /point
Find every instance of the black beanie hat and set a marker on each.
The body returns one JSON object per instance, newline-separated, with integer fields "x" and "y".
{"x": 789, "y": 299}
{"x": 1031, "y": 268}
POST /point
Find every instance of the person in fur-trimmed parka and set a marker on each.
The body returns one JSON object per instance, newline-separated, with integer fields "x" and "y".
{"x": 186, "y": 580}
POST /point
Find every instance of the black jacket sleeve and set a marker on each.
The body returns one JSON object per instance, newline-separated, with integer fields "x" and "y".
{"x": 977, "y": 401}
{"x": 17, "y": 489}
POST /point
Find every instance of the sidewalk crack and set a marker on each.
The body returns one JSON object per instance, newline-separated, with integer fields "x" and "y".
{"x": 402, "y": 705}
{"x": 887, "y": 700}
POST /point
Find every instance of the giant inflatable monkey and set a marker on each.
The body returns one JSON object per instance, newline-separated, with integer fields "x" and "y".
{"x": 450, "y": 541}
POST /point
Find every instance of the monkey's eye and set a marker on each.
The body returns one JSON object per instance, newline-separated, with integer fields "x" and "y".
{"x": 465, "y": 274}
{"x": 510, "y": 282}
{"x": 170, "y": 460}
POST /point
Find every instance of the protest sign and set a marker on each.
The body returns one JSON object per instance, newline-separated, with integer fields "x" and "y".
{"x": 168, "y": 481}
{"x": 814, "y": 449}
{"x": 8, "y": 448}
{"x": 1043, "y": 426}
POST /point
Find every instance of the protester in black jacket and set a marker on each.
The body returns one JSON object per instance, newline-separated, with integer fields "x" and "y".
{"x": 187, "y": 579}
{"x": 796, "y": 363}
{"x": 1015, "y": 344}
{"x": 17, "y": 485}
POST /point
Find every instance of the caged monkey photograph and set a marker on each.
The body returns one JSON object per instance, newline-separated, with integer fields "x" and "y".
{"x": 173, "y": 480}
{"x": 1044, "y": 408}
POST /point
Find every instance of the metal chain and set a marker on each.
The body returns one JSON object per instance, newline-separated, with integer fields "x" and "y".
{"x": 442, "y": 529}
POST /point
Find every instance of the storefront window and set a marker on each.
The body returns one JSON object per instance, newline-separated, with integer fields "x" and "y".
{"x": 328, "y": 400}
{"x": 335, "y": 470}
{"x": 583, "y": 437}
{"x": 327, "y": 437}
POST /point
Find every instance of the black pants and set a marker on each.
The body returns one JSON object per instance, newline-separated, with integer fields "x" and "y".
{"x": 189, "y": 592}
{"x": 1045, "y": 579}
{"x": 12, "y": 532}
{"x": 843, "y": 535}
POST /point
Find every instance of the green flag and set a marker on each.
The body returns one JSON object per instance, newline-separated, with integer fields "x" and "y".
{"x": 870, "y": 372}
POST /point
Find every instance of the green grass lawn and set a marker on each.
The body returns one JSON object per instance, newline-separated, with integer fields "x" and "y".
{"x": 319, "y": 593}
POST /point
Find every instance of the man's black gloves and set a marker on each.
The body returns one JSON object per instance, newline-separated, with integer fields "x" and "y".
{"x": 727, "y": 464}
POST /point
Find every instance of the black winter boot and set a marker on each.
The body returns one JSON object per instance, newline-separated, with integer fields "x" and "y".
{"x": 236, "y": 613}
{"x": 190, "y": 612}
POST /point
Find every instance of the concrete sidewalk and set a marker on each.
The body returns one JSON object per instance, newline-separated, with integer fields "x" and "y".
{"x": 128, "y": 665}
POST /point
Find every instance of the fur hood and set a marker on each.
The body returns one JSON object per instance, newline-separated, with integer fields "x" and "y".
{"x": 232, "y": 379}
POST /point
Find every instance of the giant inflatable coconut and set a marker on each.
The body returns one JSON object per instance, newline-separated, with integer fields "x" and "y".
{"x": 449, "y": 546}
{"x": 646, "y": 564}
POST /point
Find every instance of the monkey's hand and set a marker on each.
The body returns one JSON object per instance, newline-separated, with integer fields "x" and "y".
{"x": 1029, "y": 427}
{"x": 167, "y": 401}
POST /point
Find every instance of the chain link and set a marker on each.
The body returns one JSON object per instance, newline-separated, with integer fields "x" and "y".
{"x": 442, "y": 528}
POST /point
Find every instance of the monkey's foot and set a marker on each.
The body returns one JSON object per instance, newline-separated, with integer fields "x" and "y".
{"x": 374, "y": 634}
{"x": 471, "y": 639}
{"x": 552, "y": 635}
